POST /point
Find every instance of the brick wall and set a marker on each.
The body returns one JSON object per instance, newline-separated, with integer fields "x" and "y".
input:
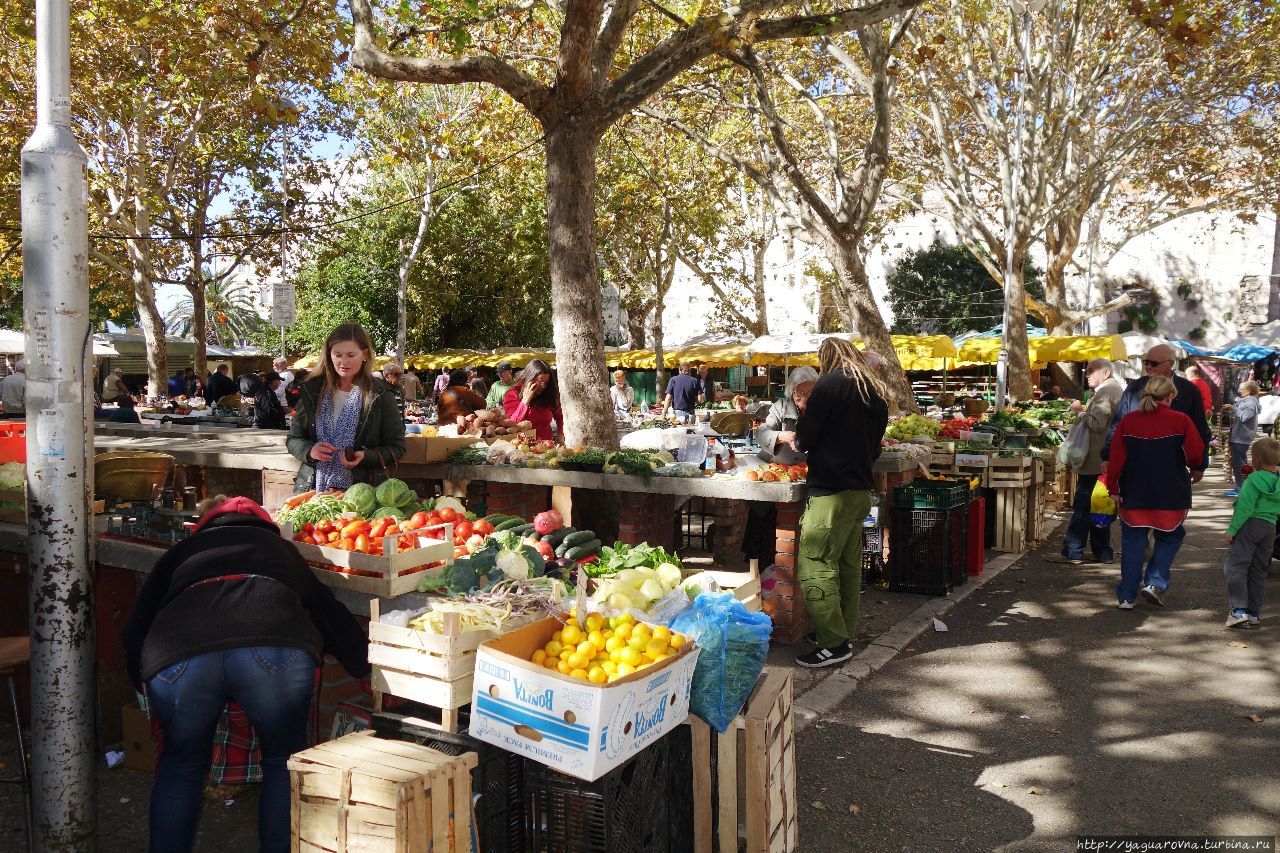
{"x": 729, "y": 523}
{"x": 519, "y": 499}
{"x": 785, "y": 602}
{"x": 647, "y": 518}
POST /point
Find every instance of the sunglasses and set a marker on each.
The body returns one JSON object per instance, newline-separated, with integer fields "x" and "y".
{"x": 1150, "y": 363}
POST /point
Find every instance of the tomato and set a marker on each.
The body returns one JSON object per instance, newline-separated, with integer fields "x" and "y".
{"x": 392, "y": 529}
{"x": 482, "y": 527}
{"x": 362, "y": 543}
{"x": 420, "y": 519}
{"x": 459, "y": 540}
{"x": 434, "y": 519}
{"x": 308, "y": 527}
{"x": 459, "y": 552}
{"x": 379, "y": 527}
{"x": 464, "y": 529}
{"x": 448, "y": 515}
{"x": 319, "y": 538}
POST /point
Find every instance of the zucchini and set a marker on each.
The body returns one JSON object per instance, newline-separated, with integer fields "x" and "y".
{"x": 522, "y": 530}
{"x": 586, "y": 549}
{"x": 555, "y": 537}
{"x": 505, "y": 519}
{"x": 578, "y": 537}
{"x": 508, "y": 524}
{"x": 496, "y": 517}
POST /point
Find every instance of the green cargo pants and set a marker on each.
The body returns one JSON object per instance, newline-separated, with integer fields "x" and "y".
{"x": 829, "y": 567}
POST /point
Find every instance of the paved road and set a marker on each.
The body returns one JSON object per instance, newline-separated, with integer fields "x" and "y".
{"x": 1044, "y": 712}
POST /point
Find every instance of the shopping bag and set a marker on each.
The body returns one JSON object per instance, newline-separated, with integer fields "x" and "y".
{"x": 1075, "y": 447}
{"x": 1102, "y": 508}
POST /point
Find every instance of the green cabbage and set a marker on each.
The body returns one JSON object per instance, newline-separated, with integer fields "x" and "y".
{"x": 363, "y": 497}
{"x": 393, "y": 511}
{"x": 395, "y": 493}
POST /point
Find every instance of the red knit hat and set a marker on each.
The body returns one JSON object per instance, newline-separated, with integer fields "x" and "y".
{"x": 237, "y": 505}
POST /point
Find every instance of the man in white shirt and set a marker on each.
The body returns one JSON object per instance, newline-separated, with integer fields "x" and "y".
{"x": 1268, "y": 412}
{"x": 13, "y": 392}
{"x": 281, "y": 367}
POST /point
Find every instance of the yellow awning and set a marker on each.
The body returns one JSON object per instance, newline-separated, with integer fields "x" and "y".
{"x": 1043, "y": 350}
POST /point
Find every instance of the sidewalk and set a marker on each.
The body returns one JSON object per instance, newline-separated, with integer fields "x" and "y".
{"x": 1044, "y": 712}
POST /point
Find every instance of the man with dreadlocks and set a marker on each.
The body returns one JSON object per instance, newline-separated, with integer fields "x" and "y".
{"x": 840, "y": 427}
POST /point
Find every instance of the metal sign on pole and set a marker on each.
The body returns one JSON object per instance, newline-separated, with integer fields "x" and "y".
{"x": 55, "y": 282}
{"x": 283, "y": 305}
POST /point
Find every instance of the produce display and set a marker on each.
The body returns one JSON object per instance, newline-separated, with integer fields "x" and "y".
{"x": 494, "y": 609}
{"x": 490, "y": 423}
{"x": 602, "y": 649}
{"x": 363, "y": 517}
{"x": 776, "y": 473}
{"x": 912, "y": 426}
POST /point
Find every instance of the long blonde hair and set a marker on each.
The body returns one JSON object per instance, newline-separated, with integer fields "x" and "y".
{"x": 1156, "y": 391}
{"x": 836, "y": 355}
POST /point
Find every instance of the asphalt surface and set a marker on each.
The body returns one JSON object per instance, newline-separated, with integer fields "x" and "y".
{"x": 1044, "y": 713}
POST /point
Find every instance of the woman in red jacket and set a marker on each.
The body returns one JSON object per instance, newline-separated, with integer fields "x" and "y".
{"x": 535, "y": 398}
{"x": 1149, "y": 473}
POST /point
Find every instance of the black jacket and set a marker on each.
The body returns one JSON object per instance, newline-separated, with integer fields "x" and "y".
{"x": 218, "y": 386}
{"x": 177, "y": 617}
{"x": 267, "y": 413}
{"x": 1187, "y": 401}
{"x": 379, "y": 433}
{"x": 841, "y": 433}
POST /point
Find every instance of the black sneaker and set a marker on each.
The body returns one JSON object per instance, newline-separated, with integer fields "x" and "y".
{"x": 819, "y": 658}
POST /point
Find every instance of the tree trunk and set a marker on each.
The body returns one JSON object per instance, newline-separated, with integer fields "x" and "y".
{"x": 758, "y": 250}
{"x": 856, "y": 289}
{"x": 575, "y": 284}
{"x": 1273, "y": 289}
{"x": 144, "y": 299}
{"x": 200, "y": 329}
{"x": 196, "y": 286}
{"x": 1019, "y": 375}
{"x": 659, "y": 354}
{"x": 636, "y": 317}
{"x": 1060, "y": 248}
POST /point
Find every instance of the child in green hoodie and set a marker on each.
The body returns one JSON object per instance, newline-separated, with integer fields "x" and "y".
{"x": 1252, "y": 535}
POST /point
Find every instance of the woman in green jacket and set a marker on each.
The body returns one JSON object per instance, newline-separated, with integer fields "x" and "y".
{"x": 346, "y": 426}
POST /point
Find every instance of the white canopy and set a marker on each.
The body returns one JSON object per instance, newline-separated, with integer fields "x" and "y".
{"x": 790, "y": 344}
{"x": 1136, "y": 345}
{"x": 15, "y": 343}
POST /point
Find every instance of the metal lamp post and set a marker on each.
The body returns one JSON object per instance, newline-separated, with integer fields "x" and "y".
{"x": 55, "y": 310}
{"x": 282, "y": 300}
{"x": 1023, "y": 9}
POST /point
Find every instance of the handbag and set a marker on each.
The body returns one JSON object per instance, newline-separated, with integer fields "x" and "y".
{"x": 1075, "y": 447}
{"x": 388, "y": 470}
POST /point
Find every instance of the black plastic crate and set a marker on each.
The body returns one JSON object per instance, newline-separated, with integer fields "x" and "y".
{"x": 873, "y": 540}
{"x": 497, "y": 779}
{"x": 628, "y": 810}
{"x": 927, "y": 549}
{"x": 931, "y": 494}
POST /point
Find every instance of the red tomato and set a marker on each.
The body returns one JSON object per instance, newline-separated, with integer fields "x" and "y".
{"x": 308, "y": 527}
{"x": 448, "y": 515}
{"x": 459, "y": 551}
{"x": 419, "y": 520}
{"x": 320, "y": 538}
{"x": 482, "y": 527}
{"x": 392, "y": 530}
{"x": 459, "y": 540}
{"x": 464, "y": 529}
{"x": 362, "y": 543}
{"x": 433, "y": 518}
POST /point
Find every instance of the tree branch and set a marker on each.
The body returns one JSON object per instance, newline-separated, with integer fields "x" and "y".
{"x": 367, "y": 56}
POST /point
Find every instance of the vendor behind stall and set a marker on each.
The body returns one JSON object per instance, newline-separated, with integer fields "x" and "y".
{"x": 457, "y": 399}
{"x": 535, "y": 397}
{"x": 777, "y": 435}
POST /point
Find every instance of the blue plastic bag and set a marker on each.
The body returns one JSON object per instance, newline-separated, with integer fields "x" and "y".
{"x": 734, "y": 643}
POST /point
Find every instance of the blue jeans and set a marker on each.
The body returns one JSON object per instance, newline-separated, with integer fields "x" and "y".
{"x": 274, "y": 686}
{"x": 1133, "y": 542}
{"x": 1081, "y": 528}
{"x": 1239, "y": 457}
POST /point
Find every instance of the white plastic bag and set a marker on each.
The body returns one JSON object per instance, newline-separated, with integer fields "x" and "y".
{"x": 1075, "y": 447}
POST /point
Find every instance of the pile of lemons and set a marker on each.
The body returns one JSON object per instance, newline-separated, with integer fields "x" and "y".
{"x": 601, "y": 650}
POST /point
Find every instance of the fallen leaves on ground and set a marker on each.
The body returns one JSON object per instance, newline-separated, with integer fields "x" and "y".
{"x": 854, "y": 809}
{"x": 1237, "y": 644}
{"x": 1254, "y": 717}
{"x": 819, "y": 805}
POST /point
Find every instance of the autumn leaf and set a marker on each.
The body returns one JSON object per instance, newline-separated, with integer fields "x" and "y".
{"x": 854, "y": 809}
{"x": 819, "y": 805}
{"x": 1254, "y": 717}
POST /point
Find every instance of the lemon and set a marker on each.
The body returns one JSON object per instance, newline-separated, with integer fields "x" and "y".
{"x": 566, "y": 651}
{"x": 554, "y": 648}
{"x": 558, "y": 636}
{"x": 597, "y": 675}
{"x": 626, "y": 619}
{"x": 539, "y": 655}
{"x": 610, "y": 667}
{"x": 625, "y": 669}
{"x": 579, "y": 674}
{"x": 587, "y": 648}
{"x": 638, "y": 642}
{"x": 596, "y": 639}
{"x": 623, "y": 630}
{"x": 662, "y": 633}
{"x": 644, "y": 665}
{"x": 614, "y": 643}
{"x": 613, "y": 623}
{"x": 551, "y": 663}
{"x": 661, "y": 657}
{"x": 595, "y": 622}
{"x": 578, "y": 660}
{"x": 677, "y": 640}
{"x": 616, "y": 656}
{"x": 656, "y": 647}
{"x": 631, "y": 656}
{"x": 564, "y": 668}
{"x": 641, "y": 630}
{"x": 571, "y": 635}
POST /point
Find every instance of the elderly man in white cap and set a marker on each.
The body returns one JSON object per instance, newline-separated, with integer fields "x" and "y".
{"x": 13, "y": 391}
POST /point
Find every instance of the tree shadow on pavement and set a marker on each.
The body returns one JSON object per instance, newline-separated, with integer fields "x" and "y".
{"x": 1044, "y": 713}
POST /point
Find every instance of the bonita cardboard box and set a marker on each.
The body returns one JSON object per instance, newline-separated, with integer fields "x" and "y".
{"x": 578, "y": 728}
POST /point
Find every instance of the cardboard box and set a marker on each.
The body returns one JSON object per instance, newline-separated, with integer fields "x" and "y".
{"x": 578, "y": 728}
{"x": 429, "y": 449}
{"x": 139, "y": 748}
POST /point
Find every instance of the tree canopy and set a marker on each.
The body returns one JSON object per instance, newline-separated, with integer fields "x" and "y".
{"x": 945, "y": 290}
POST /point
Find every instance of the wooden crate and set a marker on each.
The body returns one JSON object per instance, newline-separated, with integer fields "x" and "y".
{"x": 362, "y": 793}
{"x": 753, "y": 798}
{"x": 388, "y": 575}
{"x": 1011, "y": 520}
{"x": 435, "y": 669}
{"x": 1009, "y": 472}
